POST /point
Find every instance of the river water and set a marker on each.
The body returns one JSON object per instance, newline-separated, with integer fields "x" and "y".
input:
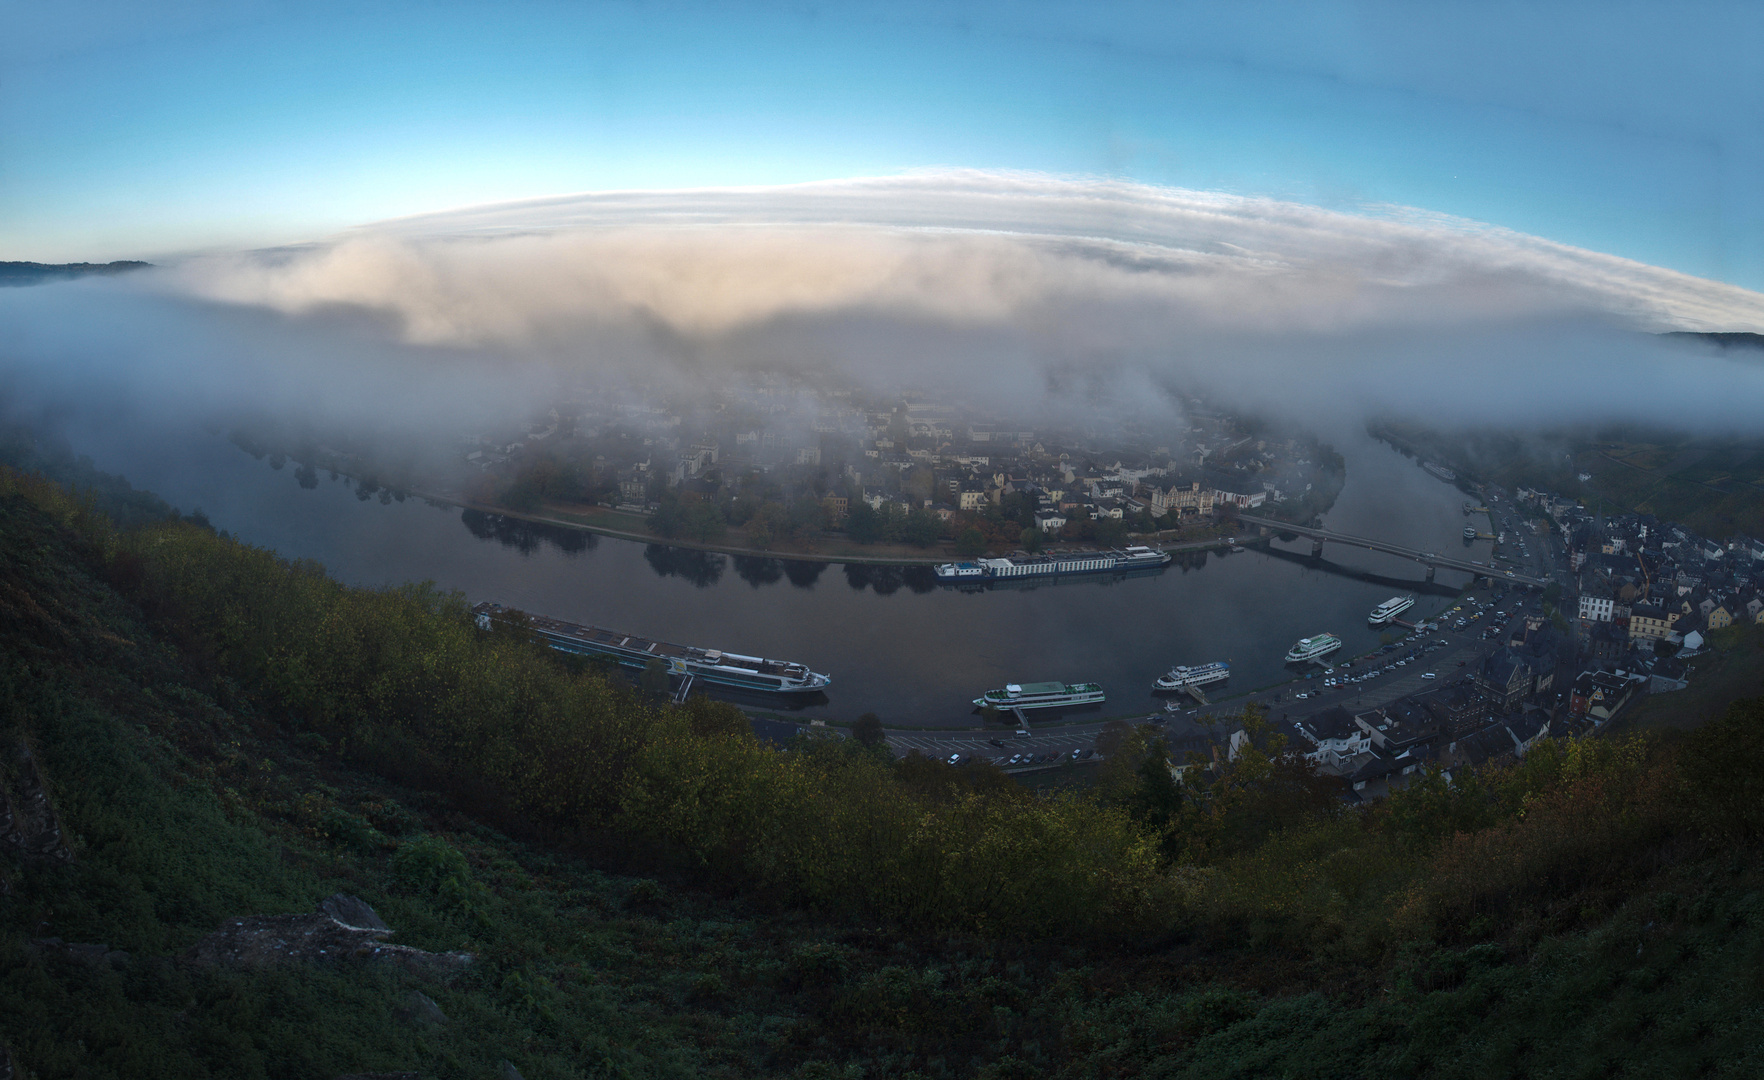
{"x": 894, "y": 642}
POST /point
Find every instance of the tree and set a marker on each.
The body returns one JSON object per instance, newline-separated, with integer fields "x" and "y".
{"x": 1109, "y": 531}
{"x": 868, "y": 730}
{"x": 807, "y": 518}
{"x": 654, "y": 679}
{"x": 970, "y": 543}
{"x": 921, "y": 529}
{"x": 710, "y": 718}
{"x": 669, "y": 519}
{"x": 862, "y": 523}
{"x": 1031, "y": 539}
{"x": 702, "y": 521}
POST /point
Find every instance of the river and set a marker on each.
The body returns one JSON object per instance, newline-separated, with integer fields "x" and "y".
{"x": 894, "y": 642}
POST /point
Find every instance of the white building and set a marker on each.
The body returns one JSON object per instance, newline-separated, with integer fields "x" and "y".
{"x": 1594, "y": 608}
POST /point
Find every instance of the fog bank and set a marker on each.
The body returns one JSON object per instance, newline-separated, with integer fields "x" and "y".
{"x": 1019, "y": 292}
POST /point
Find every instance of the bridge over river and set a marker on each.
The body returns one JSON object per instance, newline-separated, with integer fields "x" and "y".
{"x": 1430, "y": 559}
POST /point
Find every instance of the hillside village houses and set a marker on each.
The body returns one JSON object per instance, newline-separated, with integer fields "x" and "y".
{"x": 1646, "y": 595}
{"x": 1654, "y": 581}
{"x": 919, "y": 454}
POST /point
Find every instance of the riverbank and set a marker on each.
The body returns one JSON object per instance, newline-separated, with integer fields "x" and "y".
{"x": 624, "y": 525}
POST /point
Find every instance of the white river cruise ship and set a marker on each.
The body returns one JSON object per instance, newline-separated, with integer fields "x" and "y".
{"x": 1313, "y": 648}
{"x": 1390, "y": 609}
{"x": 1181, "y": 678}
{"x": 1041, "y": 695}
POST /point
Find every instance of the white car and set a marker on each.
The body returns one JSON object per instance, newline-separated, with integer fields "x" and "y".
{"x": 1429, "y": 675}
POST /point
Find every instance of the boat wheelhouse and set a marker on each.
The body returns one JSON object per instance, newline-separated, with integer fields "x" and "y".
{"x": 713, "y": 666}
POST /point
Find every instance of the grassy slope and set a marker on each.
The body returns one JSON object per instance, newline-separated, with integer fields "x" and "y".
{"x": 186, "y": 808}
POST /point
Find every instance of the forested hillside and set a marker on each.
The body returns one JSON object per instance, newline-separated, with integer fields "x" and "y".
{"x": 193, "y": 731}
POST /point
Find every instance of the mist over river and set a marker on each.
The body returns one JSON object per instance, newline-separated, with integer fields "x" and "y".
{"x": 894, "y": 642}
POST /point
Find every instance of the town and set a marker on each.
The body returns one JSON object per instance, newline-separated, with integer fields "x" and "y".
{"x": 773, "y": 466}
{"x": 1632, "y": 607}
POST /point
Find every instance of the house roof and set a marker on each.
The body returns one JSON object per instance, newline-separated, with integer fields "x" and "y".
{"x": 1334, "y": 722}
{"x": 1504, "y": 668}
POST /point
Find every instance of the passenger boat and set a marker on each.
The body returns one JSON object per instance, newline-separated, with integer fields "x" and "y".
{"x": 713, "y": 666}
{"x": 1390, "y": 609}
{"x": 1181, "y": 678}
{"x": 1312, "y": 648}
{"x": 1084, "y": 562}
{"x": 1041, "y": 695}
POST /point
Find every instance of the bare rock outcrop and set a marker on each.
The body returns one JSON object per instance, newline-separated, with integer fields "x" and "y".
{"x": 354, "y": 912}
{"x": 344, "y": 928}
{"x": 420, "y": 1009}
{"x": 28, "y": 822}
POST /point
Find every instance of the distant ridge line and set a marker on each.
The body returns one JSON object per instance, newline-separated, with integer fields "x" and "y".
{"x": 35, "y": 273}
{"x": 1724, "y": 339}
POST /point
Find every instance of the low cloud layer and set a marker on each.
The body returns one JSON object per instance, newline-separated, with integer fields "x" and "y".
{"x": 1023, "y": 293}
{"x": 970, "y": 249}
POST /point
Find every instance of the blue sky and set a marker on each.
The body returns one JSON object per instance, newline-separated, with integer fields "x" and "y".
{"x": 1636, "y": 130}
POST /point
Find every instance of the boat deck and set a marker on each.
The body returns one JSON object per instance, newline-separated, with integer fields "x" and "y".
{"x": 598, "y": 639}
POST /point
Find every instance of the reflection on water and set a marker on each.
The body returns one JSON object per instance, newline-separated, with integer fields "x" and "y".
{"x": 701, "y": 568}
{"x": 802, "y": 573}
{"x": 888, "y": 580}
{"x": 523, "y": 536}
{"x": 758, "y": 570}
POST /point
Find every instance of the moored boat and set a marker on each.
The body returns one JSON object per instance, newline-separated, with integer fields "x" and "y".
{"x": 1390, "y": 609}
{"x": 1041, "y": 695}
{"x": 1136, "y": 557}
{"x": 1312, "y": 648}
{"x": 1182, "y": 677}
{"x": 713, "y": 666}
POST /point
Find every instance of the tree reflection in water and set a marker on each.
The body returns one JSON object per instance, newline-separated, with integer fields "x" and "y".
{"x": 526, "y": 537}
{"x": 701, "y": 568}
{"x": 888, "y": 580}
{"x": 758, "y": 570}
{"x": 802, "y": 573}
